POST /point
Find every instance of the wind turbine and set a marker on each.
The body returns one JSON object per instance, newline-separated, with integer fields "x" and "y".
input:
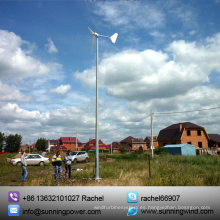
{"x": 113, "y": 39}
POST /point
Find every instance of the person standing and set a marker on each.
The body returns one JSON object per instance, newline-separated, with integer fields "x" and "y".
{"x": 68, "y": 160}
{"x": 57, "y": 163}
{"x": 23, "y": 166}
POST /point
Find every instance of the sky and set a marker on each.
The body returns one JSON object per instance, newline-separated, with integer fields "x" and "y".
{"x": 166, "y": 59}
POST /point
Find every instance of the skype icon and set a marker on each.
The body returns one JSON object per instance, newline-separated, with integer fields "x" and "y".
{"x": 132, "y": 197}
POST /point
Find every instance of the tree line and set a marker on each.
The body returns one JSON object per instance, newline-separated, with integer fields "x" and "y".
{"x": 13, "y": 142}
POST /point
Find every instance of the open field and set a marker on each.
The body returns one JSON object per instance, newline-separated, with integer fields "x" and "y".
{"x": 122, "y": 170}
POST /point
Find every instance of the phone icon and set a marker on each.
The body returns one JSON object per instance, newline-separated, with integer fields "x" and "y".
{"x": 13, "y": 210}
{"x": 13, "y": 196}
{"x": 132, "y": 197}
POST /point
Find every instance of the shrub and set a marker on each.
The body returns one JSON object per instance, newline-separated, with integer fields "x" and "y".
{"x": 160, "y": 151}
{"x": 123, "y": 149}
{"x": 147, "y": 154}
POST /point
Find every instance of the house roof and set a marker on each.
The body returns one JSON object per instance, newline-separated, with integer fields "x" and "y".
{"x": 108, "y": 146}
{"x": 135, "y": 140}
{"x": 69, "y": 140}
{"x": 215, "y": 138}
{"x": 174, "y": 132}
{"x": 184, "y": 125}
{"x": 149, "y": 138}
{"x": 116, "y": 144}
{"x": 93, "y": 141}
{"x": 127, "y": 139}
{"x": 138, "y": 140}
{"x": 178, "y": 145}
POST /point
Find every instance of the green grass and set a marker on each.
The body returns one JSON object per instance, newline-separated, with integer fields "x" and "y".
{"x": 124, "y": 170}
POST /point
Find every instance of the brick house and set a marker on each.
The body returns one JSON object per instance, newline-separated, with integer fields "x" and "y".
{"x": 183, "y": 133}
{"x": 51, "y": 143}
{"x": 69, "y": 143}
{"x": 115, "y": 146}
{"x": 214, "y": 141}
{"x": 148, "y": 141}
{"x": 58, "y": 147}
{"x": 132, "y": 143}
{"x": 91, "y": 145}
{"x": 24, "y": 147}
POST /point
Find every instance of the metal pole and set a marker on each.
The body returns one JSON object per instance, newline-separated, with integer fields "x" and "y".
{"x": 49, "y": 146}
{"x": 97, "y": 126}
{"x": 152, "y": 141}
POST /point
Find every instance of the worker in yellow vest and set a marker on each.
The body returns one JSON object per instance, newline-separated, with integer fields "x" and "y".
{"x": 57, "y": 163}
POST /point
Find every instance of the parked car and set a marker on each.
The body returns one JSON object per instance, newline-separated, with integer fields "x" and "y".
{"x": 32, "y": 159}
{"x": 79, "y": 156}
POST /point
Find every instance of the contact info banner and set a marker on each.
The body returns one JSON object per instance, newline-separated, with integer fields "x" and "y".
{"x": 110, "y": 202}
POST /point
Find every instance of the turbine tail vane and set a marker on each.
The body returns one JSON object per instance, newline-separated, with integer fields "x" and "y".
{"x": 114, "y": 37}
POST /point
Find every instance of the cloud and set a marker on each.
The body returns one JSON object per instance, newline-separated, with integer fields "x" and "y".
{"x": 12, "y": 94}
{"x": 51, "y": 48}
{"x": 12, "y": 113}
{"x": 131, "y": 14}
{"x": 205, "y": 57}
{"x": 144, "y": 75}
{"x": 157, "y": 34}
{"x": 49, "y": 123}
{"x": 61, "y": 90}
{"x": 15, "y": 61}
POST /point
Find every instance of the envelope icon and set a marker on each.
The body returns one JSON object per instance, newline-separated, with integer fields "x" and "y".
{"x": 13, "y": 210}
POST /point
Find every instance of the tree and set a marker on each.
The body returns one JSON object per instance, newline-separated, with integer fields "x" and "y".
{"x": 13, "y": 143}
{"x": 41, "y": 144}
{"x": 140, "y": 150}
{"x": 2, "y": 138}
{"x": 122, "y": 149}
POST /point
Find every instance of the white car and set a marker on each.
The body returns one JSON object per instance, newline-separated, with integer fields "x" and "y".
{"x": 79, "y": 156}
{"x": 32, "y": 159}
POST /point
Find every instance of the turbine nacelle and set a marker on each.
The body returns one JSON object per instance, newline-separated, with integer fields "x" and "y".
{"x": 113, "y": 37}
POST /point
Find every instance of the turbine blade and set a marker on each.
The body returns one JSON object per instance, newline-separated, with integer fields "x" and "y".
{"x": 98, "y": 24}
{"x": 114, "y": 37}
{"x": 93, "y": 38}
{"x": 90, "y": 30}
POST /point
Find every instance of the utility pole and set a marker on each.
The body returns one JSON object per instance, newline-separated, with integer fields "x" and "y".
{"x": 49, "y": 145}
{"x": 152, "y": 141}
{"x": 76, "y": 140}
